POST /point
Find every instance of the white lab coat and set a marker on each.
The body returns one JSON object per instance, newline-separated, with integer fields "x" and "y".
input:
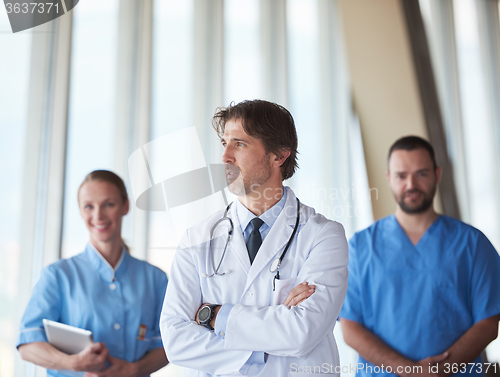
{"x": 299, "y": 339}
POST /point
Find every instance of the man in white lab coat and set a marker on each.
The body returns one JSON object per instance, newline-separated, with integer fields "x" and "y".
{"x": 235, "y": 314}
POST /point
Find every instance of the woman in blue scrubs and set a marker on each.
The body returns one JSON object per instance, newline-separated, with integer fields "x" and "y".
{"x": 104, "y": 290}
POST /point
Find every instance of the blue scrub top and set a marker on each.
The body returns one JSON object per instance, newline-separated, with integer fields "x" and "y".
{"x": 84, "y": 291}
{"x": 421, "y": 299}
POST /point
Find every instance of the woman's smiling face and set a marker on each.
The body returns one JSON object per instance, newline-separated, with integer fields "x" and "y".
{"x": 102, "y": 209}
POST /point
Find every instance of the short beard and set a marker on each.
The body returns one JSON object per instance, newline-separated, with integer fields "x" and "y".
{"x": 424, "y": 206}
{"x": 241, "y": 188}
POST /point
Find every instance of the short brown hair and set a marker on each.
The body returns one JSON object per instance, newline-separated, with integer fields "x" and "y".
{"x": 267, "y": 121}
{"x": 106, "y": 176}
{"x": 410, "y": 143}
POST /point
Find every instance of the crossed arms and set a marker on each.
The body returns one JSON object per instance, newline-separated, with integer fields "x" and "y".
{"x": 276, "y": 330}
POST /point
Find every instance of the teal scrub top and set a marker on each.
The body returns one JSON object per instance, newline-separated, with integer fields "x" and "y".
{"x": 86, "y": 292}
{"x": 420, "y": 299}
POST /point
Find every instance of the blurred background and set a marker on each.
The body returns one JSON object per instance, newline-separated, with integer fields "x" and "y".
{"x": 85, "y": 91}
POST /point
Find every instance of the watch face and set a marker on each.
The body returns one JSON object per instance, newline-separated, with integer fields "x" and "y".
{"x": 204, "y": 314}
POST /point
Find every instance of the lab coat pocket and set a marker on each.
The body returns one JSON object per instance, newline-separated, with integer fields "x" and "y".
{"x": 281, "y": 290}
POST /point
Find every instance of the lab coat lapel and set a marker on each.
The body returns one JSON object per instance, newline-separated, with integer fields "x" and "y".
{"x": 237, "y": 243}
{"x": 277, "y": 238}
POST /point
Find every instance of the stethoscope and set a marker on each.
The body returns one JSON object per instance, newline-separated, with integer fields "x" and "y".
{"x": 275, "y": 265}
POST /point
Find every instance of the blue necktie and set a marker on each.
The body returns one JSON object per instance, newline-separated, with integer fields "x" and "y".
{"x": 254, "y": 240}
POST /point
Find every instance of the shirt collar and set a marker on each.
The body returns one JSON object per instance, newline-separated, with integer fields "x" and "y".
{"x": 269, "y": 217}
{"x": 103, "y": 267}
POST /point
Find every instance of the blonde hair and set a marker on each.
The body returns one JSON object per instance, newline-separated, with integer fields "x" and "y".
{"x": 110, "y": 177}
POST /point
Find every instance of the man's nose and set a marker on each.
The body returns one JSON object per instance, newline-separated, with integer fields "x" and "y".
{"x": 227, "y": 156}
{"x": 410, "y": 182}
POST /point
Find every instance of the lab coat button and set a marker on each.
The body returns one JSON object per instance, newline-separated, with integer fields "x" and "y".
{"x": 112, "y": 286}
{"x": 222, "y": 334}
{"x": 249, "y": 294}
{"x": 117, "y": 326}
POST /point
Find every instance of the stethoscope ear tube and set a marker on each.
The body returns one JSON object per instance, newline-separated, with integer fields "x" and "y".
{"x": 275, "y": 266}
{"x": 223, "y": 218}
{"x": 229, "y": 233}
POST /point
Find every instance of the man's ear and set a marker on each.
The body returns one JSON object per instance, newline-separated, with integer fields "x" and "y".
{"x": 439, "y": 172}
{"x": 388, "y": 176}
{"x": 280, "y": 160}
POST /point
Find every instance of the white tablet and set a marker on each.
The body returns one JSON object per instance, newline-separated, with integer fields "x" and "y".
{"x": 68, "y": 339}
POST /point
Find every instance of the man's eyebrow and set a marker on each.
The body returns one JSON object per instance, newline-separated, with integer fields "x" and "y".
{"x": 418, "y": 171}
{"x": 235, "y": 139}
{"x": 398, "y": 172}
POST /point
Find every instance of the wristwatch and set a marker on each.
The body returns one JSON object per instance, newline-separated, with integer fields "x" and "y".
{"x": 206, "y": 314}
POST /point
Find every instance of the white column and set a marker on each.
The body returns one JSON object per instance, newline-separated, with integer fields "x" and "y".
{"x": 44, "y": 159}
{"x": 489, "y": 38}
{"x": 441, "y": 37}
{"x": 133, "y": 105}
{"x": 208, "y": 49}
{"x": 335, "y": 107}
{"x": 274, "y": 51}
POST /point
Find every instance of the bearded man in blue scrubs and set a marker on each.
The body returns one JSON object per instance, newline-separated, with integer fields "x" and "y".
{"x": 423, "y": 290}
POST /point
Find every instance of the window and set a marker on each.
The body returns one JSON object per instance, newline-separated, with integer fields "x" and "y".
{"x": 14, "y": 75}
{"x": 463, "y": 36}
{"x": 242, "y": 53}
{"x": 91, "y": 122}
{"x": 202, "y": 56}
